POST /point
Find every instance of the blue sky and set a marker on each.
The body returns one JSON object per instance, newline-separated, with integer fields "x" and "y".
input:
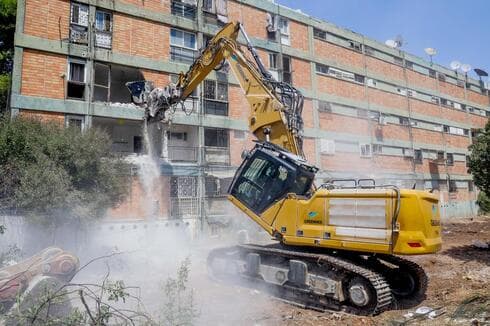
{"x": 457, "y": 29}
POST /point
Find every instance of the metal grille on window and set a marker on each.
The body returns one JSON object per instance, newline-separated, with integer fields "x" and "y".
{"x": 79, "y": 23}
{"x": 184, "y": 8}
{"x": 103, "y": 29}
{"x": 183, "y": 187}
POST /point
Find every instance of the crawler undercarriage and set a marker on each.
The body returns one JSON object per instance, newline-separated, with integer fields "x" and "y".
{"x": 323, "y": 280}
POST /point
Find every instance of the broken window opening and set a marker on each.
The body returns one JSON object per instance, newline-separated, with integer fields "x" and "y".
{"x": 110, "y": 82}
{"x": 76, "y": 80}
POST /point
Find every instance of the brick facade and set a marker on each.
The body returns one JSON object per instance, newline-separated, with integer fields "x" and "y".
{"x": 137, "y": 34}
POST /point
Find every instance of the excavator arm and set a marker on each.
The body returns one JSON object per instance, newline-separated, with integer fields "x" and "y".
{"x": 275, "y": 114}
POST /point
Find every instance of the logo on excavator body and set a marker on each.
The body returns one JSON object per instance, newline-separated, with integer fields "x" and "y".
{"x": 312, "y": 214}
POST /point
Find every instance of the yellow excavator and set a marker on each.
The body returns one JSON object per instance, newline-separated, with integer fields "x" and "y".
{"x": 338, "y": 244}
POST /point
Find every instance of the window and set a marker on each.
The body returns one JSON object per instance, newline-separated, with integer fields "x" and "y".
{"x": 401, "y": 91}
{"x": 441, "y": 76}
{"x": 182, "y": 46}
{"x": 101, "y": 82}
{"x": 411, "y": 93}
{"x": 356, "y": 46}
{"x": 398, "y": 61}
{"x": 324, "y": 106}
{"x": 215, "y": 11}
{"x": 471, "y": 186}
{"x": 371, "y": 82}
{"x": 183, "y": 187}
{"x": 75, "y": 121}
{"x": 365, "y": 150}
{"x": 283, "y": 27}
{"x": 103, "y": 29}
{"x": 440, "y": 156}
{"x": 215, "y": 97}
{"x": 79, "y": 23}
{"x": 377, "y": 149}
{"x": 452, "y": 186}
{"x": 110, "y": 82}
{"x": 286, "y": 70}
{"x": 321, "y": 68}
{"x": 417, "y": 156}
{"x": 361, "y": 113}
{"x": 319, "y": 34}
{"x": 445, "y": 128}
{"x": 449, "y": 159}
{"x": 408, "y": 64}
{"x": 432, "y": 73}
{"x": 174, "y": 79}
{"x": 359, "y": 79}
{"x": 274, "y": 64}
{"x": 216, "y": 137}
{"x": 138, "y": 146}
{"x": 434, "y": 99}
{"x": 404, "y": 121}
{"x": 369, "y": 50}
{"x": 271, "y": 27}
{"x": 76, "y": 80}
{"x": 177, "y": 136}
{"x": 183, "y": 9}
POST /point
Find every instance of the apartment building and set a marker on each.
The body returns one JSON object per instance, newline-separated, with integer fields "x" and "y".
{"x": 371, "y": 111}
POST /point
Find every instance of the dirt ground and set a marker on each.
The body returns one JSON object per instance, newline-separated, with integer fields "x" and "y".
{"x": 459, "y": 284}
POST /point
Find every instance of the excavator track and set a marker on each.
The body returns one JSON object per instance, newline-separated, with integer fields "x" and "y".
{"x": 316, "y": 281}
{"x": 407, "y": 279}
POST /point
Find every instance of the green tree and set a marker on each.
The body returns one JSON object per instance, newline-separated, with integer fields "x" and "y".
{"x": 479, "y": 164}
{"x": 52, "y": 174}
{"x": 8, "y": 10}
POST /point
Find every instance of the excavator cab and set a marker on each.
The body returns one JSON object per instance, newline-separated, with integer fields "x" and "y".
{"x": 268, "y": 174}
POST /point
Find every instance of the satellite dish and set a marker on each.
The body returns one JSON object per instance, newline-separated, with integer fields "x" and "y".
{"x": 430, "y": 51}
{"x": 455, "y": 65}
{"x": 391, "y": 43}
{"x": 465, "y": 68}
{"x": 481, "y": 72}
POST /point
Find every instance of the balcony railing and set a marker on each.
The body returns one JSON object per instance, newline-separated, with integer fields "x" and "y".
{"x": 217, "y": 155}
{"x": 184, "y": 208}
{"x": 182, "y": 154}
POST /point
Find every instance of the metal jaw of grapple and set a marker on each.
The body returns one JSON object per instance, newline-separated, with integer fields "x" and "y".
{"x": 159, "y": 103}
